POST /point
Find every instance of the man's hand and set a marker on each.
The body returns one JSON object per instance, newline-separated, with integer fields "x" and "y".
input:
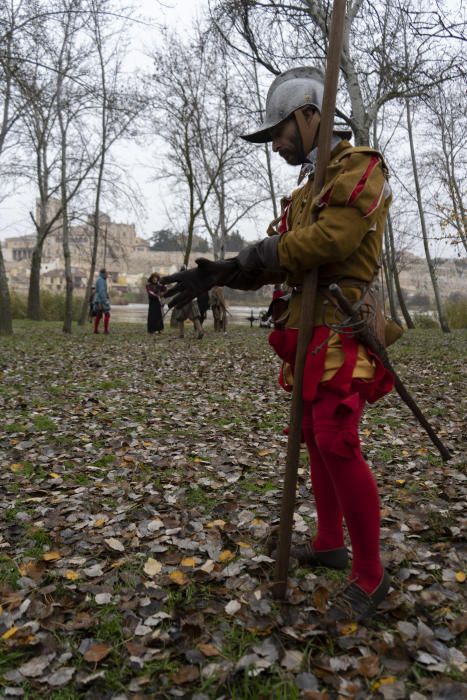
{"x": 189, "y": 284}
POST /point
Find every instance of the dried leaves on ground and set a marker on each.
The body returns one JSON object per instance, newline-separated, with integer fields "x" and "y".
{"x": 140, "y": 478}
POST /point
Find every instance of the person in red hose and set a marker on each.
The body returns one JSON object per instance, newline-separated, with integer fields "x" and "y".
{"x": 102, "y": 302}
{"x": 340, "y": 376}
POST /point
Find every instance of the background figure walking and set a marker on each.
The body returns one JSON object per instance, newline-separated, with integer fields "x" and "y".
{"x": 102, "y": 302}
{"x": 190, "y": 311}
{"x": 219, "y": 309}
{"x": 155, "y": 289}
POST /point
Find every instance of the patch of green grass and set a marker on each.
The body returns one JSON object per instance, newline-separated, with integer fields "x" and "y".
{"x": 10, "y": 514}
{"x": 109, "y": 625}
{"x": 198, "y": 496}
{"x": 40, "y": 539}
{"x": 259, "y": 488}
{"x": 65, "y": 694}
{"x": 10, "y": 658}
{"x": 105, "y": 385}
{"x": 9, "y": 574}
{"x": 273, "y": 686}
{"x": 44, "y": 424}
{"x": 82, "y": 479}
{"x": 186, "y": 596}
{"x": 15, "y": 428}
{"x": 237, "y": 640}
{"x": 157, "y": 666}
{"x": 104, "y": 461}
{"x": 30, "y": 470}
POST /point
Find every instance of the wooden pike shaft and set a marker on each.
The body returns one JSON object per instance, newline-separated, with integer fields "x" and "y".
{"x": 310, "y": 284}
{"x": 366, "y": 337}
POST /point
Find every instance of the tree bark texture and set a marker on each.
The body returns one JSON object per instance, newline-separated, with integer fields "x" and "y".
{"x": 6, "y": 325}
{"x": 431, "y": 267}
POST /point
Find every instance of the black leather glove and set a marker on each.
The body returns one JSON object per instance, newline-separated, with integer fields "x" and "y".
{"x": 188, "y": 284}
{"x": 247, "y": 271}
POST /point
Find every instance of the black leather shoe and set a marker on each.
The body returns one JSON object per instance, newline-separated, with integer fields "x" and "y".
{"x": 330, "y": 558}
{"x": 353, "y": 603}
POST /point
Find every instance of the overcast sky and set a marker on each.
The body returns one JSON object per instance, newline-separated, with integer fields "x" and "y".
{"x": 14, "y": 210}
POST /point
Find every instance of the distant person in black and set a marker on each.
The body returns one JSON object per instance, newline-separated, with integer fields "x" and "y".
{"x": 155, "y": 289}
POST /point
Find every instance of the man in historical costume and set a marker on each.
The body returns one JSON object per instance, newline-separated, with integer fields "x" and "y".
{"x": 219, "y": 309}
{"x": 340, "y": 375}
{"x": 101, "y": 302}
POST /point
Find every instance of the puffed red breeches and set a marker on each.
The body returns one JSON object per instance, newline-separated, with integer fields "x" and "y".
{"x": 343, "y": 485}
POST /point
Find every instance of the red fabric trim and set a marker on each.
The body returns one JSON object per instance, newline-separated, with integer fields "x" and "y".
{"x": 374, "y": 160}
{"x": 284, "y": 342}
{"x": 284, "y": 222}
{"x": 324, "y": 201}
{"x": 374, "y": 204}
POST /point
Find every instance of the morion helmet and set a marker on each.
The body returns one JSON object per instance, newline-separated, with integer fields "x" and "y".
{"x": 291, "y": 90}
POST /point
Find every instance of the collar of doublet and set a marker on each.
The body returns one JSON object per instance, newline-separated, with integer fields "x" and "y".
{"x": 309, "y": 164}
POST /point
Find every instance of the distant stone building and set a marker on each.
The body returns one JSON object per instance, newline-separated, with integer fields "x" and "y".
{"x": 127, "y": 257}
{"x": 130, "y": 260}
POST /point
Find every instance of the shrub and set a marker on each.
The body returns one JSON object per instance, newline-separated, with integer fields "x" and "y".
{"x": 52, "y": 306}
{"x": 424, "y": 321}
{"x": 456, "y": 313}
{"x": 18, "y": 305}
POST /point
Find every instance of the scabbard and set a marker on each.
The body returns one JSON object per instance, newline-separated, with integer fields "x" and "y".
{"x": 366, "y": 337}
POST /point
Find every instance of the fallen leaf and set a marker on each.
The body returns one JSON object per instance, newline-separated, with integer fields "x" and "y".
{"x": 186, "y": 674}
{"x": 36, "y": 666}
{"x": 208, "y": 650}
{"x": 97, "y": 652}
{"x": 217, "y": 523}
{"x": 51, "y": 556}
{"x": 226, "y": 555}
{"x": 9, "y": 633}
{"x": 61, "y": 677}
{"x": 188, "y": 562}
{"x": 71, "y": 575}
{"x": 292, "y": 660}
{"x": 115, "y": 544}
{"x": 152, "y": 567}
{"x": 386, "y": 680}
{"x": 232, "y": 607}
{"x": 178, "y": 577}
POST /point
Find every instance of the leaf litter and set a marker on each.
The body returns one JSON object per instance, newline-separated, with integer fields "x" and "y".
{"x": 140, "y": 488}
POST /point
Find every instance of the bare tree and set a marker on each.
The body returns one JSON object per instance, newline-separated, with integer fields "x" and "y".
{"x": 446, "y": 158}
{"x": 278, "y": 35}
{"x": 11, "y": 110}
{"x": 117, "y": 108}
{"x": 236, "y": 191}
{"x": 181, "y": 89}
{"x": 426, "y": 244}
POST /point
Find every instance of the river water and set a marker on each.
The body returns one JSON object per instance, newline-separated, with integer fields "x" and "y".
{"x": 137, "y": 313}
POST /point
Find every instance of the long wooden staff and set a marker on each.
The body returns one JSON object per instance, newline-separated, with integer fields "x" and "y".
{"x": 310, "y": 284}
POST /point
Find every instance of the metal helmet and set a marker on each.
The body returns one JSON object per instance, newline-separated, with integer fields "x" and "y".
{"x": 295, "y": 88}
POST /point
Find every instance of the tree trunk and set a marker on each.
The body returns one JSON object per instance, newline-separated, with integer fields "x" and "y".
{"x": 400, "y": 294}
{"x": 92, "y": 271}
{"x": 34, "y": 291}
{"x": 389, "y": 273}
{"x": 68, "y": 318}
{"x": 267, "y": 146}
{"x": 431, "y": 267}
{"x": 6, "y": 325}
